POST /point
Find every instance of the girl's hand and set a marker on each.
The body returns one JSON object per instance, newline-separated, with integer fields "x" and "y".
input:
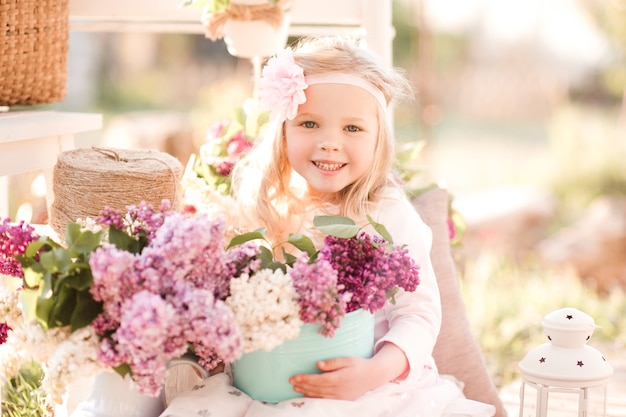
{"x": 348, "y": 378}
{"x": 342, "y": 378}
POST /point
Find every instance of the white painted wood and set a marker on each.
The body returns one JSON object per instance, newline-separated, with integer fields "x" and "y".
{"x": 370, "y": 19}
{"x": 32, "y": 140}
{"x": 4, "y": 197}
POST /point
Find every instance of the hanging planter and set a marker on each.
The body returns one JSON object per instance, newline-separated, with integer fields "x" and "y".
{"x": 250, "y": 28}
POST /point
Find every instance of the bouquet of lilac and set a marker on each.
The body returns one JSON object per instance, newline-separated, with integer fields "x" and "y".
{"x": 144, "y": 286}
{"x": 135, "y": 291}
{"x": 163, "y": 301}
{"x": 353, "y": 270}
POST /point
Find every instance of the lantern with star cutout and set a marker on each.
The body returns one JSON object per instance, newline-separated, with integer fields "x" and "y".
{"x": 563, "y": 367}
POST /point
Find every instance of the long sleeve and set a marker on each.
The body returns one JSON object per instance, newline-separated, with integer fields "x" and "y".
{"x": 413, "y": 322}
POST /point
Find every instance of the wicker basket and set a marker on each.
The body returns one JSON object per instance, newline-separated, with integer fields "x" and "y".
{"x": 33, "y": 51}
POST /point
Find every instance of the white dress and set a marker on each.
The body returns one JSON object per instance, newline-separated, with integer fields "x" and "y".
{"x": 412, "y": 324}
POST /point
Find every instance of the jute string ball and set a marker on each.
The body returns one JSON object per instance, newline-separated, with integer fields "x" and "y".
{"x": 87, "y": 180}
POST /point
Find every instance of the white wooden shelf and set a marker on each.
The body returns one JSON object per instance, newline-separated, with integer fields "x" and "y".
{"x": 370, "y": 19}
{"x": 32, "y": 140}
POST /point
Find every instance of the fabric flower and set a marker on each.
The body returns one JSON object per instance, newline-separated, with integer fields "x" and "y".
{"x": 282, "y": 85}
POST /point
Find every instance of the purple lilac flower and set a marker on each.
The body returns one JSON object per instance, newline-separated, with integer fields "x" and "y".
{"x": 321, "y": 298}
{"x": 141, "y": 220}
{"x": 146, "y": 326}
{"x": 242, "y": 259}
{"x": 368, "y": 271}
{"x": 145, "y": 220}
{"x": 160, "y": 301}
{"x": 4, "y": 332}
{"x": 111, "y": 217}
{"x": 13, "y": 242}
{"x": 114, "y": 278}
{"x": 210, "y": 326}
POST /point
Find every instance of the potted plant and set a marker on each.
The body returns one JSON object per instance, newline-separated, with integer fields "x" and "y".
{"x": 250, "y": 28}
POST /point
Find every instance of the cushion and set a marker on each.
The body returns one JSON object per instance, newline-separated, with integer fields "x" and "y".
{"x": 456, "y": 352}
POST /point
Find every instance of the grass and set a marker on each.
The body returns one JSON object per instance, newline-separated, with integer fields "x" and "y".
{"x": 506, "y": 302}
{"x": 22, "y": 395}
{"x": 507, "y": 297}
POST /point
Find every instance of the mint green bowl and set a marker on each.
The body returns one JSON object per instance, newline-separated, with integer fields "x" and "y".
{"x": 265, "y": 375}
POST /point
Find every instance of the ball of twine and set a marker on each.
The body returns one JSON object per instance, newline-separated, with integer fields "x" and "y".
{"x": 87, "y": 180}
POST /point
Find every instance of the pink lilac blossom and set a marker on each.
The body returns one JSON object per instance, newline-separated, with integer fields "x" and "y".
{"x": 322, "y": 301}
{"x": 4, "y": 332}
{"x": 142, "y": 220}
{"x": 159, "y": 302}
{"x": 282, "y": 85}
{"x": 145, "y": 328}
{"x": 208, "y": 324}
{"x": 13, "y": 242}
{"x": 242, "y": 259}
{"x": 368, "y": 270}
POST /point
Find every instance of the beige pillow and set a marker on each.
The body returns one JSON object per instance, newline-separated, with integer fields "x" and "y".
{"x": 457, "y": 352}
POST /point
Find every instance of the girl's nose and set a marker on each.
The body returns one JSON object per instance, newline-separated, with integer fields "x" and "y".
{"x": 329, "y": 145}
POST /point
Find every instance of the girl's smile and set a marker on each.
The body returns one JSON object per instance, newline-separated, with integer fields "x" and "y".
{"x": 332, "y": 139}
{"x": 328, "y": 166}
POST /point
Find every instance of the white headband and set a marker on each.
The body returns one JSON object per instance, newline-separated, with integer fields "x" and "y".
{"x": 348, "y": 79}
{"x": 282, "y": 85}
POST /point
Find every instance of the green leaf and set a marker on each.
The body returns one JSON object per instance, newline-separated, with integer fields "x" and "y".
{"x": 340, "y": 230}
{"x": 80, "y": 278}
{"x": 32, "y": 278}
{"x": 45, "y": 303}
{"x": 33, "y": 248}
{"x": 266, "y": 256}
{"x": 85, "y": 311}
{"x": 289, "y": 258}
{"x": 124, "y": 242}
{"x": 391, "y": 295}
{"x": 246, "y": 237}
{"x": 56, "y": 260}
{"x": 277, "y": 265}
{"x": 380, "y": 229}
{"x": 338, "y": 226}
{"x": 61, "y": 312}
{"x": 122, "y": 369}
{"x": 82, "y": 242}
{"x": 302, "y": 242}
{"x": 28, "y": 299}
{"x": 320, "y": 221}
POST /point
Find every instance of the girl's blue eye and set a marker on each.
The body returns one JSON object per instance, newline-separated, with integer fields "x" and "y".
{"x": 352, "y": 128}
{"x": 309, "y": 124}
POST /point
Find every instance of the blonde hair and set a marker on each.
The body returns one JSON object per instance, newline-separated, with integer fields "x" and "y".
{"x": 262, "y": 181}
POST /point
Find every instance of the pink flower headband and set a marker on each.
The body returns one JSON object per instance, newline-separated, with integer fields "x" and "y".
{"x": 282, "y": 85}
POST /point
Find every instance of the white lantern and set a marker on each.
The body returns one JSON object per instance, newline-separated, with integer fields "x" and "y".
{"x": 565, "y": 368}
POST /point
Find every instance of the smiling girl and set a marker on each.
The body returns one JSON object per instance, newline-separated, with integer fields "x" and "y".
{"x": 332, "y": 153}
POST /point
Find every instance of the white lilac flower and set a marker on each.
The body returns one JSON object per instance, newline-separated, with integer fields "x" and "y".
{"x": 266, "y": 309}
{"x": 10, "y": 311}
{"x": 73, "y": 359}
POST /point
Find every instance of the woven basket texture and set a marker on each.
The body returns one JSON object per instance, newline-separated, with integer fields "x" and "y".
{"x": 34, "y": 38}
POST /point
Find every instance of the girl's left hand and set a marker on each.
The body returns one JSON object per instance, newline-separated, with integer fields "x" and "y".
{"x": 350, "y": 377}
{"x": 344, "y": 378}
